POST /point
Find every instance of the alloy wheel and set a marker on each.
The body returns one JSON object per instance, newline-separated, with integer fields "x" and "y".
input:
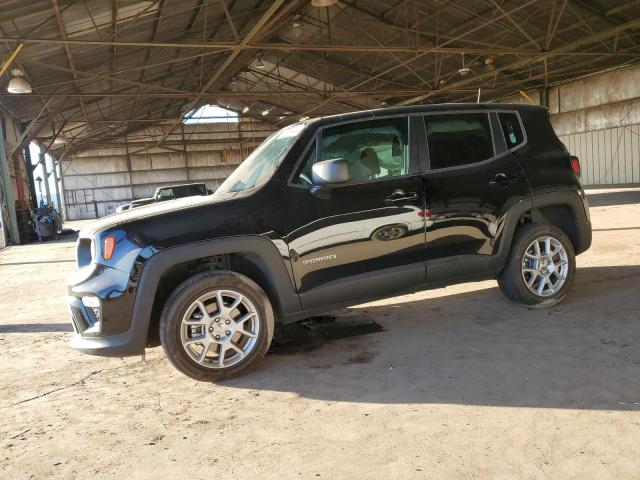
{"x": 545, "y": 266}
{"x": 220, "y": 328}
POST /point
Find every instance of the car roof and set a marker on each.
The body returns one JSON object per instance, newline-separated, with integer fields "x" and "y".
{"x": 408, "y": 109}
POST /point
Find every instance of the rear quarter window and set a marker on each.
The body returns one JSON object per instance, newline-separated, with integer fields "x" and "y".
{"x": 458, "y": 139}
{"x": 511, "y": 128}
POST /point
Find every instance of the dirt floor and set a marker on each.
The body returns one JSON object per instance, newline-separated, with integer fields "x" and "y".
{"x": 460, "y": 384}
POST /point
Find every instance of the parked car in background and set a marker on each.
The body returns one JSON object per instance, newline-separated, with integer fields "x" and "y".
{"x": 169, "y": 192}
{"x": 333, "y": 212}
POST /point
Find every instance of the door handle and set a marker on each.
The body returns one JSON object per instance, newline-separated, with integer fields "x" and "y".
{"x": 401, "y": 196}
{"x": 502, "y": 180}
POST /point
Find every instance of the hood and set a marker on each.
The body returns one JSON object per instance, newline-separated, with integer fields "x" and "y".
{"x": 152, "y": 210}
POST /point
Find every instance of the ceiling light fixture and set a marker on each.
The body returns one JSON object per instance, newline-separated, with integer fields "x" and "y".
{"x": 259, "y": 63}
{"x": 304, "y": 119}
{"x": 464, "y": 71}
{"x": 245, "y": 109}
{"x": 323, "y": 3}
{"x": 488, "y": 64}
{"x": 265, "y": 112}
{"x": 18, "y": 84}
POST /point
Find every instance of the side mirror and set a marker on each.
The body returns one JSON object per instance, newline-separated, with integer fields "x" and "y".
{"x": 329, "y": 172}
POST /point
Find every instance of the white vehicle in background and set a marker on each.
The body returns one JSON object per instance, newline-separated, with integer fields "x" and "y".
{"x": 169, "y": 192}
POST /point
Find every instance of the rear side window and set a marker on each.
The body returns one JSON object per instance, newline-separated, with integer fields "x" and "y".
{"x": 458, "y": 139}
{"x": 511, "y": 128}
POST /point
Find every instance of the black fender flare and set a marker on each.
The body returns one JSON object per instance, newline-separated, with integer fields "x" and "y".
{"x": 261, "y": 250}
{"x": 572, "y": 199}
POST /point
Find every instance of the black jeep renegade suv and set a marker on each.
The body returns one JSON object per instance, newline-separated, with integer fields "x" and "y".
{"x": 328, "y": 213}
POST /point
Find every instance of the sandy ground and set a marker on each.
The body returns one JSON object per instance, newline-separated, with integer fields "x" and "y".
{"x": 461, "y": 384}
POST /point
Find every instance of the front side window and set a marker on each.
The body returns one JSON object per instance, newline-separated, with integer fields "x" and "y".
{"x": 511, "y": 128}
{"x": 258, "y": 167}
{"x": 458, "y": 139}
{"x": 374, "y": 149}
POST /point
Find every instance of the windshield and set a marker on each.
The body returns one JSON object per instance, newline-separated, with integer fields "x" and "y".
{"x": 258, "y": 167}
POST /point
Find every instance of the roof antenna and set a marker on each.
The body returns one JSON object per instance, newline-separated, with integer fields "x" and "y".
{"x": 478, "y": 99}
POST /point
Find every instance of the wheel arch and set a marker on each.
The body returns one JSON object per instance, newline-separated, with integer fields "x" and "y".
{"x": 566, "y": 210}
{"x": 253, "y": 256}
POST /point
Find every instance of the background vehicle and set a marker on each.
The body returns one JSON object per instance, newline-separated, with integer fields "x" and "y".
{"x": 169, "y": 192}
{"x": 419, "y": 197}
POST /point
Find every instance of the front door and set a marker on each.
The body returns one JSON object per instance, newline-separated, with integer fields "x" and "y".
{"x": 470, "y": 182}
{"x": 365, "y": 237}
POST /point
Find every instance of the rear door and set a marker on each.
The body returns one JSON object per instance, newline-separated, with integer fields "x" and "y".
{"x": 365, "y": 237}
{"x": 471, "y": 180}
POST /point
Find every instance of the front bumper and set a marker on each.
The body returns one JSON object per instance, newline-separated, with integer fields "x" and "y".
{"x": 100, "y": 302}
{"x": 123, "y": 345}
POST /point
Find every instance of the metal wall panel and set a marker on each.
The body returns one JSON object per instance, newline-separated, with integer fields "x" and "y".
{"x": 608, "y": 157}
{"x": 97, "y": 181}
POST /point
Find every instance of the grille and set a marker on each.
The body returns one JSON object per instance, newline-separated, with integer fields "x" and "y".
{"x": 83, "y": 252}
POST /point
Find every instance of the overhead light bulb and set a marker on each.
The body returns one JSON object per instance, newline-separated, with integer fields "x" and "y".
{"x": 18, "y": 84}
{"x": 265, "y": 112}
{"x": 59, "y": 140}
{"x": 259, "y": 63}
{"x": 488, "y": 64}
{"x": 245, "y": 109}
{"x": 304, "y": 119}
{"x": 323, "y": 3}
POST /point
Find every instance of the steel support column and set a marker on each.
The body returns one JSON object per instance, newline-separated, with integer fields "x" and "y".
{"x": 45, "y": 175}
{"x": 7, "y": 188}
{"x": 54, "y": 164}
{"x": 33, "y": 197}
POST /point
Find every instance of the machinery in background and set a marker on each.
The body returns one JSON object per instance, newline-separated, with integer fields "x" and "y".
{"x": 47, "y": 222}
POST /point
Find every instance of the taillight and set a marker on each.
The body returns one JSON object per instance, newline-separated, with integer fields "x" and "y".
{"x": 575, "y": 165}
{"x": 425, "y": 214}
{"x": 108, "y": 247}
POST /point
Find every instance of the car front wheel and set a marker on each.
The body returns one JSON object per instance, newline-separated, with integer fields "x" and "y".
{"x": 540, "y": 268}
{"x": 216, "y": 325}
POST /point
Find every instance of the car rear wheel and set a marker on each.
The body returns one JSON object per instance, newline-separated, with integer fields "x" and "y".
{"x": 216, "y": 325}
{"x": 540, "y": 268}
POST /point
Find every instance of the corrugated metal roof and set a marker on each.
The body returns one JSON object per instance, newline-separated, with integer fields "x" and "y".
{"x": 111, "y": 67}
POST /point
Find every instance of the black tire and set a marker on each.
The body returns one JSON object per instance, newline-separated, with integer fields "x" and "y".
{"x": 184, "y": 296}
{"x": 389, "y": 232}
{"x": 511, "y": 279}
